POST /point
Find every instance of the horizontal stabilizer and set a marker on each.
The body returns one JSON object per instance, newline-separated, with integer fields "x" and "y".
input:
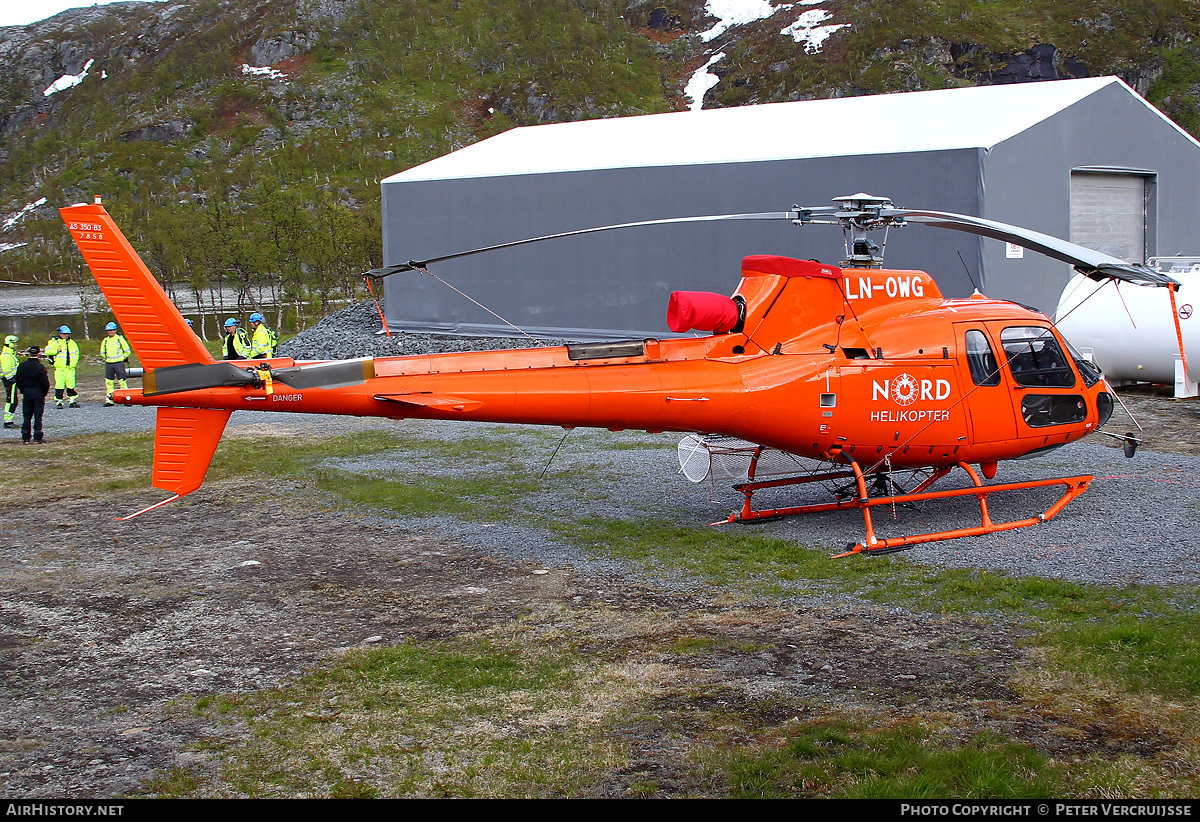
{"x": 435, "y": 402}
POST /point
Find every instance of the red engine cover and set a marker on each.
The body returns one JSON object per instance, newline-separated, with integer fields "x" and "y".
{"x": 701, "y": 310}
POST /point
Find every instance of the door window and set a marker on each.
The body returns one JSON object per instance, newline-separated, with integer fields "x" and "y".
{"x": 1040, "y": 410}
{"x": 981, "y": 360}
{"x": 1035, "y": 358}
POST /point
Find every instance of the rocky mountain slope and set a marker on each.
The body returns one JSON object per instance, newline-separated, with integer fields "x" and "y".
{"x": 241, "y": 142}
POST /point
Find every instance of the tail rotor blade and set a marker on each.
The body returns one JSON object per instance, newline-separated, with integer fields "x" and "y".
{"x": 199, "y": 376}
{"x": 194, "y": 377}
{"x": 336, "y": 374}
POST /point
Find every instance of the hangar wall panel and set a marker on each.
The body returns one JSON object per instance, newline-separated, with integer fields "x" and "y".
{"x": 1027, "y": 181}
{"x": 617, "y": 284}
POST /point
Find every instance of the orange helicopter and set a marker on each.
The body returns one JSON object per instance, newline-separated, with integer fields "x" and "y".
{"x": 862, "y": 369}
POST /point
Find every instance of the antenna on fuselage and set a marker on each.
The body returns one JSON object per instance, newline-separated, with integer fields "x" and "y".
{"x": 967, "y": 269}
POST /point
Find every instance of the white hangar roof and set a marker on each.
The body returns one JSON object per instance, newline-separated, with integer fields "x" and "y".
{"x": 973, "y": 117}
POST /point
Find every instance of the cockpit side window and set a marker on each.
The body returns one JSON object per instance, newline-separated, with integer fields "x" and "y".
{"x": 1035, "y": 358}
{"x": 981, "y": 360}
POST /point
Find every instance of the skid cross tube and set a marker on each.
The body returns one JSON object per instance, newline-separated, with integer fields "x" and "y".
{"x": 1074, "y": 486}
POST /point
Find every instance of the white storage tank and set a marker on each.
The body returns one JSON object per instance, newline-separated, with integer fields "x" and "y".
{"x": 1129, "y": 331}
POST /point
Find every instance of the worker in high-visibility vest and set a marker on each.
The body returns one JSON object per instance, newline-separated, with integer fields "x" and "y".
{"x": 263, "y": 341}
{"x": 236, "y": 345}
{"x": 115, "y": 351}
{"x": 8, "y": 370}
{"x": 63, "y": 353}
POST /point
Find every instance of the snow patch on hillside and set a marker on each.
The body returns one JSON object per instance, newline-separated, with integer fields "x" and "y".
{"x": 12, "y": 220}
{"x": 67, "y": 81}
{"x": 263, "y": 71}
{"x": 701, "y": 81}
{"x": 734, "y": 13}
{"x": 808, "y": 29}
{"x": 731, "y": 13}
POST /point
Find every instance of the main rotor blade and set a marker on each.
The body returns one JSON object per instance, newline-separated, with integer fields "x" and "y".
{"x": 412, "y": 265}
{"x": 1093, "y": 264}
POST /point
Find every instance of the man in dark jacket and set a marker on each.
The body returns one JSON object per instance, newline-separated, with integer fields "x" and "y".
{"x": 34, "y": 384}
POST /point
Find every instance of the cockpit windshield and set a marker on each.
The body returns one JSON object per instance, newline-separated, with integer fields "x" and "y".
{"x": 1035, "y": 358}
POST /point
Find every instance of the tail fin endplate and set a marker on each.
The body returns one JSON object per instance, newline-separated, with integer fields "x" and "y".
{"x": 158, "y": 333}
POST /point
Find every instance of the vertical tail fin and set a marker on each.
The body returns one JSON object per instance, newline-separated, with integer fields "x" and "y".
{"x": 184, "y": 442}
{"x": 150, "y": 321}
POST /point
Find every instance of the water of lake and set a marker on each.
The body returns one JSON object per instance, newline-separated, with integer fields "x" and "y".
{"x": 33, "y": 313}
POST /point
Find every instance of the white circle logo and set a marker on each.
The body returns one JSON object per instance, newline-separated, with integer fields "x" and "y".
{"x": 904, "y": 389}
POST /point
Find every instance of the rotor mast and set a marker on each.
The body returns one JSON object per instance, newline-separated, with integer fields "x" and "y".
{"x": 856, "y": 214}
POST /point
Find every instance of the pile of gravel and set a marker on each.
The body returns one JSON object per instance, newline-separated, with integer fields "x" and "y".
{"x": 357, "y": 331}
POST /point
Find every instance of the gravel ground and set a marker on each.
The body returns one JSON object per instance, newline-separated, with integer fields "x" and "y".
{"x": 1094, "y": 539}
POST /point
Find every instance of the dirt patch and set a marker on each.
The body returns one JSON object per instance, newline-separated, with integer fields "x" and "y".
{"x": 1171, "y": 425}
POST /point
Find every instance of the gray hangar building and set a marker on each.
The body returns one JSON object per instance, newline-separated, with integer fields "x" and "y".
{"x": 1089, "y": 160}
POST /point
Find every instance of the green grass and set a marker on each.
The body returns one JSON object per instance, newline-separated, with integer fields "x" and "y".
{"x": 477, "y": 497}
{"x": 1145, "y": 637}
{"x": 456, "y": 717}
{"x": 1148, "y": 653}
{"x": 274, "y": 457}
{"x": 837, "y": 758}
{"x": 94, "y": 463}
{"x": 477, "y": 666}
{"x": 174, "y": 783}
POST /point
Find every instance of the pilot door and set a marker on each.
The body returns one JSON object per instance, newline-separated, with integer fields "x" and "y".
{"x": 987, "y": 395}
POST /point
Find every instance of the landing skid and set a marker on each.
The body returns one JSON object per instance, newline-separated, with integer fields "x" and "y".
{"x": 1074, "y": 486}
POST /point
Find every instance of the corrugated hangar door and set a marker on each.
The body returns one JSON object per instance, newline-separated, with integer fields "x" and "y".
{"x": 1108, "y": 213}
